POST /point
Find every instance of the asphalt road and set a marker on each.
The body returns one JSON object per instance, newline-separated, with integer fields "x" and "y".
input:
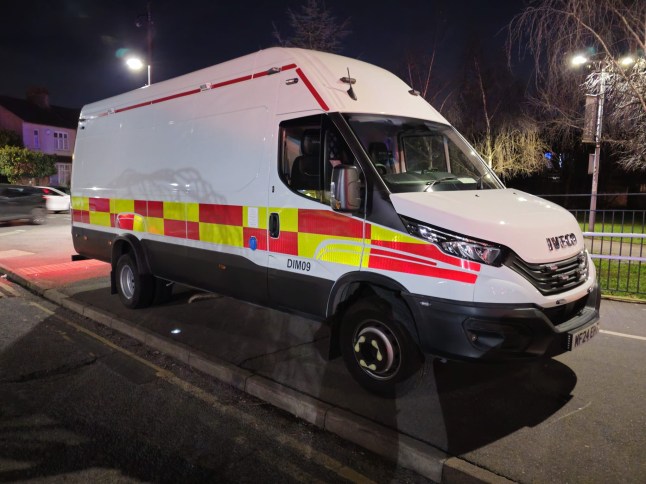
{"x": 575, "y": 418}
{"x": 81, "y": 403}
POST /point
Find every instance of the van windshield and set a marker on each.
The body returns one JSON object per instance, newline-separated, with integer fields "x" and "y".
{"x": 413, "y": 155}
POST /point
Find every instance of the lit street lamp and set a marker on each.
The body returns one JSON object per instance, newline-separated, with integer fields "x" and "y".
{"x": 136, "y": 64}
{"x": 599, "y": 66}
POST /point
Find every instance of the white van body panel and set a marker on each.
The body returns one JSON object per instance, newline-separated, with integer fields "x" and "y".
{"x": 187, "y": 169}
{"x": 508, "y": 217}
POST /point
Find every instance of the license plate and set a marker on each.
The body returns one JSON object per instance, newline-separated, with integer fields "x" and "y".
{"x": 578, "y": 338}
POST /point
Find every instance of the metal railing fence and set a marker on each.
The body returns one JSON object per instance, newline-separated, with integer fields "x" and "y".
{"x": 617, "y": 242}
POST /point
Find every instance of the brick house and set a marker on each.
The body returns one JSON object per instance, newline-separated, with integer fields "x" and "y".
{"x": 43, "y": 127}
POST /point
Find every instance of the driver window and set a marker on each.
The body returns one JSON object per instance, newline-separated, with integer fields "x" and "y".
{"x": 300, "y": 156}
{"x": 309, "y": 149}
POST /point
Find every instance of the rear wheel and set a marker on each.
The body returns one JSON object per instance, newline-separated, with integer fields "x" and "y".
{"x": 378, "y": 350}
{"x": 135, "y": 289}
{"x": 38, "y": 216}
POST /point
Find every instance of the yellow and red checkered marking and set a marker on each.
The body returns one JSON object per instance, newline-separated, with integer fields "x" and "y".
{"x": 315, "y": 234}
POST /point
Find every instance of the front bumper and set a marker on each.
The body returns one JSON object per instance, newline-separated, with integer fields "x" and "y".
{"x": 460, "y": 330}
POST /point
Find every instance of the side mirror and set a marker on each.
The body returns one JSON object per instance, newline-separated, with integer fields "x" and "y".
{"x": 345, "y": 189}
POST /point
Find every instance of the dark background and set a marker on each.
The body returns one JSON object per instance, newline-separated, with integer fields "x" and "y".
{"x": 74, "y": 48}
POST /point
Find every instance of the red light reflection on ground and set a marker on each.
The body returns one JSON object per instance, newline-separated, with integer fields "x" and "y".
{"x": 56, "y": 275}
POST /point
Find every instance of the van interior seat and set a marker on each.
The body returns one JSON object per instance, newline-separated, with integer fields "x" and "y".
{"x": 305, "y": 169}
{"x": 379, "y": 155}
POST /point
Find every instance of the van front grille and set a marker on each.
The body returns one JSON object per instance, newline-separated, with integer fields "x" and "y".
{"x": 552, "y": 277}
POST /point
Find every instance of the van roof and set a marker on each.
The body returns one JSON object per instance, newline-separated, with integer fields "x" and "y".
{"x": 327, "y": 76}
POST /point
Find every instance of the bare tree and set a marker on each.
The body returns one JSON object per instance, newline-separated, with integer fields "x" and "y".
{"x": 553, "y": 30}
{"x": 514, "y": 150}
{"x": 314, "y": 27}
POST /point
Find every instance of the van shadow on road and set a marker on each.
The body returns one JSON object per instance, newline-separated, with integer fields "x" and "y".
{"x": 456, "y": 407}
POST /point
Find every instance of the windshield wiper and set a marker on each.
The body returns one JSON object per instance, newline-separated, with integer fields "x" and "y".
{"x": 439, "y": 180}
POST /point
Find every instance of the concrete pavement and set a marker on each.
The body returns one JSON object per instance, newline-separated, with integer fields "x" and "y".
{"x": 461, "y": 423}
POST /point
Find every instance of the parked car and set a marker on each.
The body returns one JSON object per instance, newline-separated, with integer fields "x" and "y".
{"x": 58, "y": 198}
{"x": 22, "y": 202}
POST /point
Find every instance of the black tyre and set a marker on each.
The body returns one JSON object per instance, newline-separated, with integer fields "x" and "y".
{"x": 377, "y": 349}
{"x": 38, "y": 216}
{"x": 135, "y": 289}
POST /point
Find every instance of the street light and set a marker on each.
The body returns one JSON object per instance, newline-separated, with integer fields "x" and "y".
{"x": 146, "y": 20}
{"x": 599, "y": 66}
{"x": 136, "y": 64}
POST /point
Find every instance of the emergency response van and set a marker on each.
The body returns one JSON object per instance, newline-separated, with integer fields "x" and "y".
{"x": 325, "y": 186}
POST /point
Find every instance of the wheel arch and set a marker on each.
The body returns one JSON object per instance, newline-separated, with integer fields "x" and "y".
{"x": 356, "y": 285}
{"x": 123, "y": 244}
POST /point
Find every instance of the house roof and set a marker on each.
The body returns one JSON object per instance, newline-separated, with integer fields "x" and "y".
{"x": 29, "y": 112}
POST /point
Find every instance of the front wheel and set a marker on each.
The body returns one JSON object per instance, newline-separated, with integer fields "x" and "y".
{"x": 377, "y": 349}
{"x": 135, "y": 289}
{"x": 38, "y": 216}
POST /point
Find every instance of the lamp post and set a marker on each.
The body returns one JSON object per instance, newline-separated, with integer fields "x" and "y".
{"x": 146, "y": 20}
{"x": 597, "y": 151}
{"x": 601, "y": 67}
{"x": 135, "y": 63}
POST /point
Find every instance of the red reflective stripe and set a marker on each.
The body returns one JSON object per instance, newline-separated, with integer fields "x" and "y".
{"x": 221, "y": 214}
{"x": 259, "y": 234}
{"x": 408, "y": 267}
{"x": 99, "y": 205}
{"x": 155, "y": 209}
{"x": 82, "y": 216}
{"x": 193, "y": 230}
{"x": 231, "y": 81}
{"x": 141, "y": 207}
{"x": 329, "y": 223}
{"x": 175, "y": 96}
{"x": 430, "y": 251}
{"x": 134, "y": 106}
{"x": 314, "y": 92}
{"x": 400, "y": 256}
{"x": 125, "y": 221}
{"x": 287, "y": 67}
{"x": 175, "y": 228}
{"x": 287, "y": 243}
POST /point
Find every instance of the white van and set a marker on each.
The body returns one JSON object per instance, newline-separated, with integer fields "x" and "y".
{"x": 326, "y": 186}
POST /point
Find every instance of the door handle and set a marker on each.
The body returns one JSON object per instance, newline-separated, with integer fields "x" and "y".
{"x": 274, "y": 225}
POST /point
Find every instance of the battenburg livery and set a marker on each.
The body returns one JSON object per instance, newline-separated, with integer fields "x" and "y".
{"x": 326, "y": 186}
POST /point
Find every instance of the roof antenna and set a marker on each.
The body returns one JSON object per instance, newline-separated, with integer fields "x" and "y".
{"x": 350, "y": 80}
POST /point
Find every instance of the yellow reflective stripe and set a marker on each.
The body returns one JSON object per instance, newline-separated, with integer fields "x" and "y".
{"x": 81, "y": 203}
{"x": 100, "y": 218}
{"x": 221, "y": 234}
{"x": 389, "y": 235}
{"x": 288, "y": 218}
{"x": 348, "y": 254}
{"x": 139, "y": 223}
{"x": 174, "y": 211}
{"x": 192, "y": 212}
{"x": 155, "y": 225}
{"x": 122, "y": 206}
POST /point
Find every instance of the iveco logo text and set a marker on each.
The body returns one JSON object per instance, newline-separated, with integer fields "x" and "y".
{"x": 560, "y": 241}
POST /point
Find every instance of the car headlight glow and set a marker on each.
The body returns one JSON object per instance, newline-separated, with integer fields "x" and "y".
{"x": 457, "y": 245}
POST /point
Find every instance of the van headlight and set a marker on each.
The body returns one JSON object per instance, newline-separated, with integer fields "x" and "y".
{"x": 457, "y": 245}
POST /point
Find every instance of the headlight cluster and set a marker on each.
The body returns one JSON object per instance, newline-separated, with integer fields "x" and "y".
{"x": 457, "y": 245}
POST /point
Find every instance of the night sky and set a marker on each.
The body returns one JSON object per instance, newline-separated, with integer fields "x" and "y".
{"x": 73, "y": 47}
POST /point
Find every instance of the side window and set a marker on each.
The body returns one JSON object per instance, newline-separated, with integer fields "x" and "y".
{"x": 300, "y": 156}
{"x": 310, "y": 148}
